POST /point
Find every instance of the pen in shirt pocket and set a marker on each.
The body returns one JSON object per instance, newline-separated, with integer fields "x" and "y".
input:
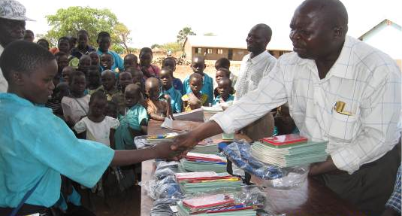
{"x": 339, "y": 108}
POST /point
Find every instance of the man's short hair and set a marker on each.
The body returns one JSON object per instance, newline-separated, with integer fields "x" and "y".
{"x": 23, "y": 57}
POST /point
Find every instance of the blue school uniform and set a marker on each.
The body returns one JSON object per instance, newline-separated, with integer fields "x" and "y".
{"x": 207, "y": 88}
{"x": 133, "y": 119}
{"x": 118, "y": 61}
{"x": 178, "y": 85}
{"x": 36, "y": 143}
{"x": 175, "y": 99}
{"x": 217, "y": 100}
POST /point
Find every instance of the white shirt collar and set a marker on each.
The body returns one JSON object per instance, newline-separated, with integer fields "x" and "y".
{"x": 258, "y": 58}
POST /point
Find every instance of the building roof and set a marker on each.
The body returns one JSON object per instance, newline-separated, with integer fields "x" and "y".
{"x": 238, "y": 42}
{"x": 384, "y": 22}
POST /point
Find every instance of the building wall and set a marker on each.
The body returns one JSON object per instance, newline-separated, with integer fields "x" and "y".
{"x": 213, "y": 54}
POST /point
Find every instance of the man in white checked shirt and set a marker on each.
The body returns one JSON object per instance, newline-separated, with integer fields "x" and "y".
{"x": 329, "y": 67}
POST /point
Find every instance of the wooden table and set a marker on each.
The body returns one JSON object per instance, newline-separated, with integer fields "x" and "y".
{"x": 310, "y": 199}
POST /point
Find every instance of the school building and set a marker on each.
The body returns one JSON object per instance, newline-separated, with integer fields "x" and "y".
{"x": 234, "y": 48}
{"x": 387, "y": 37}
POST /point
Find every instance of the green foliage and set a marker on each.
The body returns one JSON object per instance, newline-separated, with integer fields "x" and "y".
{"x": 173, "y": 46}
{"x": 182, "y": 35}
{"x": 132, "y": 50}
{"x": 67, "y": 22}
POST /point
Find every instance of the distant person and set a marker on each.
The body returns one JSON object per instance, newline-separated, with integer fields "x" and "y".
{"x": 109, "y": 84}
{"x": 254, "y": 67}
{"x": 171, "y": 63}
{"x": 157, "y": 109}
{"x": 224, "y": 89}
{"x": 29, "y": 36}
{"x": 221, "y": 73}
{"x": 44, "y": 43}
{"x": 106, "y": 62}
{"x": 94, "y": 80}
{"x": 146, "y": 66}
{"x": 222, "y": 63}
{"x": 198, "y": 66}
{"x": 104, "y": 41}
{"x": 63, "y": 45}
{"x": 73, "y": 42}
{"x": 84, "y": 64}
{"x": 125, "y": 79}
{"x": 96, "y": 125}
{"x": 61, "y": 90}
{"x": 195, "y": 99}
{"x": 95, "y": 60}
{"x": 169, "y": 92}
{"x": 130, "y": 60}
{"x": 76, "y": 105}
{"x": 65, "y": 73}
{"x": 12, "y": 28}
{"x": 62, "y": 61}
{"x": 135, "y": 120}
{"x": 83, "y": 47}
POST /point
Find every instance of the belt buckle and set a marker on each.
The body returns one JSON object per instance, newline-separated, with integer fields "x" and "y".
{"x": 34, "y": 214}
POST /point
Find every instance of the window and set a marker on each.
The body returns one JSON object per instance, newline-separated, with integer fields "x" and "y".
{"x": 220, "y": 51}
{"x": 209, "y": 51}
{"x": 198, "y": 50}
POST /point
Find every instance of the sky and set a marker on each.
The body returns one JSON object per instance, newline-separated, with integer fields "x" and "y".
{"x": 159, "y": 21}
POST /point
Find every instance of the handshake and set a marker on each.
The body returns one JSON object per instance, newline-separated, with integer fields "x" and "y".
{"x": 176, "y": 148}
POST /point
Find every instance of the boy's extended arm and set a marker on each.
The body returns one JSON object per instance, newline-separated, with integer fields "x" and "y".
{"x": 128, "y": 157}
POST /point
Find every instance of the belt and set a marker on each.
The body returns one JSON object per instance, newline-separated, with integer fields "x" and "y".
{"x": 27, "y": 209}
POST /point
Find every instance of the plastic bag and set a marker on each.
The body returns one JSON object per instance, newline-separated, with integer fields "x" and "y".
{"x": 146, "y": 141}
{"x": 161, "y": 207}
{"x": 164, "y": 188}
{"x": 272, "y": 176}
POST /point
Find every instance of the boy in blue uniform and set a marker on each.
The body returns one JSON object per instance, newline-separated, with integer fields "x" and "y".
{"x": 36, "y": 146}
{"x": 168, "y": 91}
{"x": 104, "y": 44}
{"x": 198, "y": 66}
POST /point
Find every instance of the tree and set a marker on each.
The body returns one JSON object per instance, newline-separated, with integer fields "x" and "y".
{"x": 67, "y": 22}
{"x": 155, "y": 46}
{"x": 182, "y": 35}
{"x": 122, "y": 33}
{"x": 173, "y": 46}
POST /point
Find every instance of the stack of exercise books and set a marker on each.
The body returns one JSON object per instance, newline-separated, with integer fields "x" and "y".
{"x": 216, "y": 204}
{"x": 201, "y": 182}
{"x": 289, "y": 150}
{"x": 195, "y": 162}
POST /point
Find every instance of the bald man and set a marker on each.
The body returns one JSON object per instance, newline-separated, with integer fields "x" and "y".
{"x": 254, "y": 66}
{"x": 339, "y": 90}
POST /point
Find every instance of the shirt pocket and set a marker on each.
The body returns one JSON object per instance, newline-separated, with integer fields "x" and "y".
{"x": 343, "y": 127}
